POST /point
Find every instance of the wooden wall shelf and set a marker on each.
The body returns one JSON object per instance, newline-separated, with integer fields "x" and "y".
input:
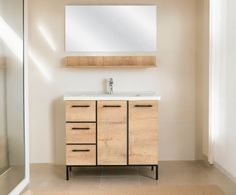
{"x": 110, "y": 61}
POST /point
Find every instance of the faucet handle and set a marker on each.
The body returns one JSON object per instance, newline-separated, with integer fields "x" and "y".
{"x": 110, "y": 80}
{"x": 110, "y": 85}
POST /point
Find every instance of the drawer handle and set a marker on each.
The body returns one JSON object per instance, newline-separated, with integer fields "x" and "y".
{"x": 80, "y": 106}
{"x": 80, "y": 128}
{"x": 143, "y": 106}
{"x": 111, "y": 106}
{"x": 86, "y": 150}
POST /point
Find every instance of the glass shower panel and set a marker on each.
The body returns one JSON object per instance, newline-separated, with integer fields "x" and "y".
{"x": 3, "y": 131}
{"x": 12, "y": 154}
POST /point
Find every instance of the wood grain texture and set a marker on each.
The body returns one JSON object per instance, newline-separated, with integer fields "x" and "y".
{"x": 112, "y": 133}
{"x": 74, "y": 61}
{"x": 110, "y": 61}
{"x": 80, "y": 133}
{"x": 80, "y": 155}
{"x": 143, "y": 126}
{"x": 80, "y": 111}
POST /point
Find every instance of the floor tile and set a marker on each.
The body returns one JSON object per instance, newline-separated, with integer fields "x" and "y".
{"x": 111, "y": 180}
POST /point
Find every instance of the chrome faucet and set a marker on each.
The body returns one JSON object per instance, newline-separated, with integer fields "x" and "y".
{"x": 110, "y": 83}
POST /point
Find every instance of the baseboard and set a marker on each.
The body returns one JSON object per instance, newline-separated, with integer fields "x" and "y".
{"x": 225, "y": 172}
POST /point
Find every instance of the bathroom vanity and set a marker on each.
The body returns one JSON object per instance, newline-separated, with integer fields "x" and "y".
{"x": 111, "y": 130}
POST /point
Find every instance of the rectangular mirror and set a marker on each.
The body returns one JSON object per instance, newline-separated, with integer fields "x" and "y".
{"x": 111, "y": 28}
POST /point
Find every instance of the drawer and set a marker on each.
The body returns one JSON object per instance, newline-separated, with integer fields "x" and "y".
{"x": 143, "y": 110}
{"x": 81, "y": 111}
{"x": 80, "y": 133}
{"x": 80, "y": 155}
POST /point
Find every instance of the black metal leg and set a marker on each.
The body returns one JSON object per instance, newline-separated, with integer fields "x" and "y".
{"x": 156, "y": 172}
{"x": 69, "y": 168}
{"x": 67, "y": 172}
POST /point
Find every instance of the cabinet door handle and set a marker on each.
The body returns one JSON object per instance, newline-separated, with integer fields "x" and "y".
{"x": 80, "y": 128}
{"x": 143, "y": 106}
{"x": 86, "y": 150}
{"x": 80, "y": 106}
{"x": 111, "y": 106}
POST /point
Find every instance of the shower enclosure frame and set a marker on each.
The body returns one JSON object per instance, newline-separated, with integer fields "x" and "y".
{"x": 21, "y": 186}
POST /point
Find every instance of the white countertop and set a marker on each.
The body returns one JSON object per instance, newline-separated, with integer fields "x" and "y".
{"x": 114, "y": 96}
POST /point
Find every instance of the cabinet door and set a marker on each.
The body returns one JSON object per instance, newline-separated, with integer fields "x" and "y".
{"x": 143, "y": 147}
{"x": 112, "y": 132}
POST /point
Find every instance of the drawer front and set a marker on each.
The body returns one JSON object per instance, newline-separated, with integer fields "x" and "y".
{"x": 80, "y": 133}
{"x": 143, "y": 109}
{"x": 80, "y": 111}
{"x": 80, "y": 155}
{"x": 143, "y": 135}
{"x": 112, "y": 133}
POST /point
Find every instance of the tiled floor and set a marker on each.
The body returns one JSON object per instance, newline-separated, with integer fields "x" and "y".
{"x": 10, "y": 178}
{"x": 52, "y": 177}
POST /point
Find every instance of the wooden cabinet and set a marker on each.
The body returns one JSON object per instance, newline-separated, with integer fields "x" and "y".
{"x": 106, "y": 133}
{"x": 143, "y": 142}
{"x": 112, "y": 133}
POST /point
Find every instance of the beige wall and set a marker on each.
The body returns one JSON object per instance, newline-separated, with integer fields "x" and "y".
{"x": 202, "y": 79}
{"x": 174, "y": 79}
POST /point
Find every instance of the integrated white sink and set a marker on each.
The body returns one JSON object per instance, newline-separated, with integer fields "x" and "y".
{"x": 114, "y": 96}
